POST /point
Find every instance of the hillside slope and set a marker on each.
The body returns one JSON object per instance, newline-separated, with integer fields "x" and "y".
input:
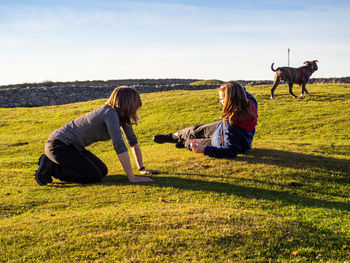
{"x": 286, "y": 200}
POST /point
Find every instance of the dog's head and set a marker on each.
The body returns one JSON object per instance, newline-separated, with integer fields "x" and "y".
{"x": 312, "y": 64}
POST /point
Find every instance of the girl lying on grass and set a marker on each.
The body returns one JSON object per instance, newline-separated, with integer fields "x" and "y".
{"x": 226, "y": 138}
{"x": 65, "y": 155}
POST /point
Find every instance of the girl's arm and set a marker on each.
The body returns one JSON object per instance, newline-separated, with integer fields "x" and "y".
{"x": 112, "y": 123}
{"x": 216, "y": 152}
{"x": 125, "y": 161}
{"x": 136, "y": 151}
{"x": 232, "y": 146}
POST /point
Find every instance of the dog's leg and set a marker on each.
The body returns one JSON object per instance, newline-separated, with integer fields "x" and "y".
{"x": 275, "y": 84}
{"x": 302, "y": 91}
{"x": 291, "y": 89}
{"x": 306, "y": 90}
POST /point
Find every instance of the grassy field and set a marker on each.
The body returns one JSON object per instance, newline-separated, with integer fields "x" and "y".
{"x": 287, "y": 200}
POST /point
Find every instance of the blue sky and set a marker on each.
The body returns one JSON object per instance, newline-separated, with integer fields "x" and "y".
{"x": 71, "y": 40}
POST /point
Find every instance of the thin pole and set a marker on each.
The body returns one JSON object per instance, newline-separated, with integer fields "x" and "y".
{"x": 288, "y": 56}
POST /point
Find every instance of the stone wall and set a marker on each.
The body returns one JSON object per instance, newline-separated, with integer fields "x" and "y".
{"x": 70, "y": 92}
{"x": 57, "y": 93}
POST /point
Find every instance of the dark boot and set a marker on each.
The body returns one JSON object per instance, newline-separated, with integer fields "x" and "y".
{"x": 180, "y": 144}
{"x": 163, "y": 138}
{"x": 46, "y": 169}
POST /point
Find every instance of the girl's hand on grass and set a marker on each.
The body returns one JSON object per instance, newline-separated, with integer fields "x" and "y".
{"x": 197, "y": 147}
{"x": 143, "y": 172}
{"x": 141, "y": 179}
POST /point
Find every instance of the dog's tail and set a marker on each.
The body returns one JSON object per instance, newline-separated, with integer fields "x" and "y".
{"x": 272, "y": 67}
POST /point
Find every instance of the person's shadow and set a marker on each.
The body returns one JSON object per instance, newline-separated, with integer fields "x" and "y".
{"x": 286, "y": 197}
{"x": 268, "y": 156}
{"x": 295, "y": 160}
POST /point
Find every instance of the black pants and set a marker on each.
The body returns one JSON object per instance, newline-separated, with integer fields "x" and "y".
{"x": 200, "y": 133}
{"x": 73, "y": 165}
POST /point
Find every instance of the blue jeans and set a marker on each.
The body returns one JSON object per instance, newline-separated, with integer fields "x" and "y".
{"x": 200, "y": 133}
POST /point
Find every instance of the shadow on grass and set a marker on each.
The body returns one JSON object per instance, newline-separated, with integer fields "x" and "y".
{"x": 297, "y": 160}
{"x": 65, "y": 185}
{"x": 283, "y": 95}
{"x": 268, "y": 156}
{"x": 108, "y": 180}
{"x": 329, "y": 97}
{"x": 286, "y": 197}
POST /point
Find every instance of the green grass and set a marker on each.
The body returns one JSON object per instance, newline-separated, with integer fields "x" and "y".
{"x": 207, "y": 82}
{"x": 287, "y": 200}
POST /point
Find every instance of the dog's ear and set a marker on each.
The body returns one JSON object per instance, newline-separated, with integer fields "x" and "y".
{"x": 307, "y": 62}
{"x": 314, "y": 66}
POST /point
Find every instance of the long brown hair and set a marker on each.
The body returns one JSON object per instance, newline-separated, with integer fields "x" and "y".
{"x": 236, "y": 104}
{"x": 126, "y": 101}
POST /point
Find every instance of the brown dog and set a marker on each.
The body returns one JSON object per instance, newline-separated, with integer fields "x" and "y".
{"x": 290, "y": 75}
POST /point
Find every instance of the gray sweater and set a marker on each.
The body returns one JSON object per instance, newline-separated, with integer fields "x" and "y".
{"x": 101, "y": 124}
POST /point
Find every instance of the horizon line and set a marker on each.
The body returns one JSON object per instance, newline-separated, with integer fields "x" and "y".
{"x": 125, "y": 79}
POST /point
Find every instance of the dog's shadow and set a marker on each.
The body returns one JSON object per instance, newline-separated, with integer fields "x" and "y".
{"x": 281, "y": 95}
{"x": 327, "y": 97}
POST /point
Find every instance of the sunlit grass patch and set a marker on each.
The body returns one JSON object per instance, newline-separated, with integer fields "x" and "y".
{"x": 286, "y": 200}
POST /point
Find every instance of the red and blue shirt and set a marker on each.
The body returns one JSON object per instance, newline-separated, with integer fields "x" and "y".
{"x": 231, "y": 139}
